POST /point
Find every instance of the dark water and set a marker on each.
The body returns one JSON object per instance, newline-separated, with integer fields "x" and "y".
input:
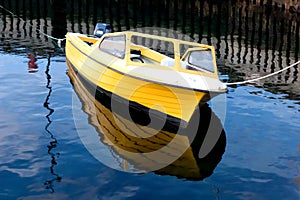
{"x": 46, "y": 124}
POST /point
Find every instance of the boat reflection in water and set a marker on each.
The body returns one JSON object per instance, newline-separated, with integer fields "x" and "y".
{"x": 129, "y": 143}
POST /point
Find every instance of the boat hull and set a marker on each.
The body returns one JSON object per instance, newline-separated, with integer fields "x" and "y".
{"x": 109, "y": 99}
{"x": 105, "y": 73}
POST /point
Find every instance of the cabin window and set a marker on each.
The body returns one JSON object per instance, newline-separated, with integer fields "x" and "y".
{"x": 162, "y": 47}
{"x": 114, "y": 45}
{"x": 201, "y": 60}
{"x": 153, "y": 50}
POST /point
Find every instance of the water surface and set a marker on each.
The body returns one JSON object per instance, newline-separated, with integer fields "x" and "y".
{"x": 43, "y": 156}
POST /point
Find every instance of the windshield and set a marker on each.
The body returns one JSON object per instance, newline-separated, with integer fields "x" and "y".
{"x": 201, "y": 60}
{"x": 114, "y": 45}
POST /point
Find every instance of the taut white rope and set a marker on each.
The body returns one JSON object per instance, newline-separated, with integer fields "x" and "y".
{"x": 263, "y": 77}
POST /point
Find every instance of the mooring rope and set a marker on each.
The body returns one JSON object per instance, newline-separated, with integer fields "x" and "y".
{"x": 59, "y": 40}
{"x": 263, "y": 77}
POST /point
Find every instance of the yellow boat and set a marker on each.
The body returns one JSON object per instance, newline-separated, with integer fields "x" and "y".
{"x": 167, "y": 76}
{"x": 171, "y": 151}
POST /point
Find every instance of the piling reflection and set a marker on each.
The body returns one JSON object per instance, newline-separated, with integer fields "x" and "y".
{"x": 130, "y": 148}
{"x": 58, "y": 20}
{"x": 49, "y": 184}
